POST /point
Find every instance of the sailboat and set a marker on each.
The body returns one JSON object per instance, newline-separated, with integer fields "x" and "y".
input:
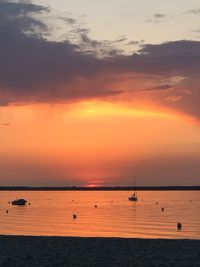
{"x": 19, "y": 202}
{"x": 133, "y": 197}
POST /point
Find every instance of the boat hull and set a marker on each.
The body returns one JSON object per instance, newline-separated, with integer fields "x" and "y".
{"x": 132, "y": 198}
{"x": 19, "y": 202}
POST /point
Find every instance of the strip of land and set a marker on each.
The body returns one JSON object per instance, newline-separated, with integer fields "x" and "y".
{"x": 74, "y": 251}
{"x": 113, "y": 188}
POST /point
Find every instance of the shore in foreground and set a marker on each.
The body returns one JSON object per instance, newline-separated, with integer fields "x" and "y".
{"x": 74, "y": 251}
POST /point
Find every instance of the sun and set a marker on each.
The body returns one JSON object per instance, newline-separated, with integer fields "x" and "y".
{"x": 91, "y": 185}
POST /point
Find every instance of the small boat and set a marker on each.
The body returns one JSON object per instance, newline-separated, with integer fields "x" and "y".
{"x": 19, "y": 202}
{"x": 134, "y": 196}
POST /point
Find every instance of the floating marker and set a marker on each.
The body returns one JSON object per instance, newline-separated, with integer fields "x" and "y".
{"x": 179, "y": 226}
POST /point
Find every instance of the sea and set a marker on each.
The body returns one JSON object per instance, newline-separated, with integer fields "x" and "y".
{"x": 102, "y": 214}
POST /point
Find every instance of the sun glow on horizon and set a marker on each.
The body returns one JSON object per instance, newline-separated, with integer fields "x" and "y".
{"x": 95, "y": 142}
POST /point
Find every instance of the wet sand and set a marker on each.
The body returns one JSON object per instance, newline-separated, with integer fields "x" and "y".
{"x": 74, "y": 251}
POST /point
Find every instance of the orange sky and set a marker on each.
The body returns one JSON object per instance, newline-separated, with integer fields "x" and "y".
{"x": 94, "y": 99}
{"x": 97, "y": 142}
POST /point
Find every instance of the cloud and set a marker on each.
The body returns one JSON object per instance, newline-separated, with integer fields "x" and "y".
{"x": 138, "y": 43}
{"x": 159, "y": 88}
{"x": 5, "y": 123}
{"x": 174, "y": 59}
{"x": 133, "y": 43}
{"x": 193, "y": 11}
{"x": 18, "y": 16}
{"x": 36, "y": 69}
{"x": 157, "y": 18}
{"x": 173, "y": 98}
{"x": 69, "y": 20}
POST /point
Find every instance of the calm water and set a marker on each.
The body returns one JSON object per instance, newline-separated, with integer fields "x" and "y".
{"x": 50, "y": 213}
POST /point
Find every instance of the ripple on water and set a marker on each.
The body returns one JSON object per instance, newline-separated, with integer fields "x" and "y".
{"x": 50, "y": 213}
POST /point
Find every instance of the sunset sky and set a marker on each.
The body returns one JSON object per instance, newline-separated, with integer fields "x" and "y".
{"x": 94, "y": 92}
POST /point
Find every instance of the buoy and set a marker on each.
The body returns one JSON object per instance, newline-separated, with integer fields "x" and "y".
{"x": 179, "y": 225}
{"x": 156, "y": 203}
{"x": 6, "y": 211}
{"x": 95, "y": 206}
{"x": 74, "y": 216}
{"x": 162, "y": 209}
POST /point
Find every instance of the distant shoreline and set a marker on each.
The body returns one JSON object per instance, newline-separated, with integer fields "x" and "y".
{"x": 108, "y": 252}
{"x": 114, "y": 188}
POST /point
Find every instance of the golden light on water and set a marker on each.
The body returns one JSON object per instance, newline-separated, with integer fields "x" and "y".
{"x": 102, "y": 213}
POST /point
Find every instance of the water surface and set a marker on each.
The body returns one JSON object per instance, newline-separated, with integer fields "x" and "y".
{"x": 50, "y": 214}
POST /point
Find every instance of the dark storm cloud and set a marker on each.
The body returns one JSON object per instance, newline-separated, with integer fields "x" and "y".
{"x": 180, "y": 57}
{"x": 34, "y": 69}
{"x": 17, "y": 16}
{"x": 174, "y": 59}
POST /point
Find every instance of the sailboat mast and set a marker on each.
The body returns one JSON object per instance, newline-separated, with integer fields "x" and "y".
{"x": 135, "y": 186}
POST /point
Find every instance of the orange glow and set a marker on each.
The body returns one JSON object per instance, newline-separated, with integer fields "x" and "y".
{"x": 90, "y": 143}
{"x": 98, "y": 108}
{"x": 92, "y": 185}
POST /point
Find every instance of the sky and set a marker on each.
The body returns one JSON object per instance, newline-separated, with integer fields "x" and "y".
{"x": 93, "y": 92}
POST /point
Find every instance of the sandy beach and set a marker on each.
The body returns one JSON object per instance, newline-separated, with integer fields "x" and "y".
{"x": 70, "y": 251}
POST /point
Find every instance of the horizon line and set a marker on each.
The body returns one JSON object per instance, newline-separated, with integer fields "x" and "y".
{"x": 96, "y": 188}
